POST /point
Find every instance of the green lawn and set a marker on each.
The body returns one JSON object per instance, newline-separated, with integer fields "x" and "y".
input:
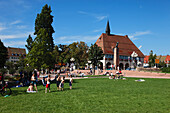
{"x": 93, "y": 95}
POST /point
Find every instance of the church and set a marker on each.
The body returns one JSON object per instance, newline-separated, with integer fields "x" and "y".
{"x": 119, "y": 51}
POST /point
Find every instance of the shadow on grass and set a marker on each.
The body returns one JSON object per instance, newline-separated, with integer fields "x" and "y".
{"x": 18, "y": 92}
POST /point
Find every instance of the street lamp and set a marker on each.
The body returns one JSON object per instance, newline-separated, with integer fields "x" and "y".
{"x": 72, "y": 64}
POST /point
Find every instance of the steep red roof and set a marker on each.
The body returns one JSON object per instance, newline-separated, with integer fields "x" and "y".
{"x": 146, "y": 59}
{"x": 167, "y": 60}
{"x": 126, "y": 46}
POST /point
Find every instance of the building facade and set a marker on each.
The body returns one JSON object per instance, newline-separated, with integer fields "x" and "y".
{"x": 159, "y": 59}
{"x": 15, "y": 53}
{"x": 129, "y": 56}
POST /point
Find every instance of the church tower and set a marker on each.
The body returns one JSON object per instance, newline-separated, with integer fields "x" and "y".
{"x": 108, "y": 28}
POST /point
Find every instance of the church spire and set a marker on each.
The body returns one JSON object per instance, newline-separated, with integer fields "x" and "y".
{"x": 108, "y": 28}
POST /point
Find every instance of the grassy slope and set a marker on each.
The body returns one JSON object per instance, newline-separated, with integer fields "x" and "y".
{"x": 94, "y": 95}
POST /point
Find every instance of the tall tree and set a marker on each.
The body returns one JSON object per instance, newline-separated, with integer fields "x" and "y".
{"x": 40, "y": 56}
{"x": 29, "y": 43}
{"x": 3, "y": 54}
{"x": 44, "y": 20}
{"x": 95, "y": 55}
{"x": 152, "y": 59}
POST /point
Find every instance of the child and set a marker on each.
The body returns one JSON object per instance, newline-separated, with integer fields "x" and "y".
{"x": 62, "y": 84}
{"x": 30, "y": 88}
{"x": 71, "y": 81}
{"x": 58, "y": 81}
{"x": 48, "y": 84}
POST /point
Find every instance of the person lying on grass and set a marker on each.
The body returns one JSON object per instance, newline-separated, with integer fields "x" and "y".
{"x": 48, "y": 84}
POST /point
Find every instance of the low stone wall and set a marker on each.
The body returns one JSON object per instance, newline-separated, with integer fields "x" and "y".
{"x": 149, "y": 69}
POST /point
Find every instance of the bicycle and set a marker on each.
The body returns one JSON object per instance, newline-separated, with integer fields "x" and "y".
{"x": 5, "y": 90}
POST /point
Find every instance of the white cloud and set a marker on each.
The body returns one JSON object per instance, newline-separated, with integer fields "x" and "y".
{"x": 97, "y": 16}
{"x": 71, "y": 39}
{"x": 15, "y": 43}
{"x": 15, "y": 22}
{"x": 2, "y": 28}
{"x": 97, "y": 30}
{"x": 100, "y": 18}
{"x": 15, "y": 36}
{"x": 21, "y": 26}
{"x": 82, "y": 12}
{"x": 140, "y": 33}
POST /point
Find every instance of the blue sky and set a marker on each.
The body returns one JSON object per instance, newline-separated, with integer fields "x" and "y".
{"x": 146, "y": 22}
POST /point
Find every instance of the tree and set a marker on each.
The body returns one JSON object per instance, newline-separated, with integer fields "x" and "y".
{"x": 29, "y": 43}
{"x": 44, "y": 20}
{"x": 152, "y": 59}
{"x": 21, "y": 63}
{"x": 3, "y": 54}
{"x": 11, "y": 67}
{"x": 95, "y": 55}
{"x": 40, "y": 56}
{"x": 78, "y": 50}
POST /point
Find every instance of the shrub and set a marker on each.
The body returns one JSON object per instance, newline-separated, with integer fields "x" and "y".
{"x": 165, "y": 69}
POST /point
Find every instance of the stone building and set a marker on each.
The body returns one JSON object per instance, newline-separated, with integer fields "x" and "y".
{"x": 128, "y": 55}
{"x": 15, "y": 53}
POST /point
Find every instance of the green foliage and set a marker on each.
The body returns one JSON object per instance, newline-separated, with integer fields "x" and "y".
{"x": 9, "y": 65}
{"x": 93, "y": 96}
{"x": 40, "y": 50}
{"x": 165, "y": 69}
{"x": 95, "y": 55}
{"x": 40, "y": 55}
{"x": 78, "y": 51}
{"x": 3, "y": 71}
{"x": 12, "y": 71}
{"x": 152, "y": 59}
{"x": 29, "y": 43}
{"x": 44, "y": 20}
{"x": 161, "y": 64}
{"x": 21, "y": 63}
{"x": 3, "y": 54}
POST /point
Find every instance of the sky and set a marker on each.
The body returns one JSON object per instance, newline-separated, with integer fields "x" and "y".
{"x": 146, "y": 22}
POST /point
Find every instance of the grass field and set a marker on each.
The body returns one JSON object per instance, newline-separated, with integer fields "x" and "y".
{"x": 93, "y": 95}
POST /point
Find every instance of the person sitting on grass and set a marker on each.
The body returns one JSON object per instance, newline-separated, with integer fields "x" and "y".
{"x": 71, "y": 81}
{"x": 62, "y": 84}
{"x": 48, "y": 84}
{"x": 30, "y": 88}
{"x": 110, "y": 77}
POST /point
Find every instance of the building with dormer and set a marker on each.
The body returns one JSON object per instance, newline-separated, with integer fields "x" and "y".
{"x": 126, "y": 47}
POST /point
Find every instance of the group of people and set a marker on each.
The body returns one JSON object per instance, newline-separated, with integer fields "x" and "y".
{"x": 117, "y": 75}
{"x": 59, "y": 82}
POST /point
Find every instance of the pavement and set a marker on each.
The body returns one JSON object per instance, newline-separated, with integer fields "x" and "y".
{"x": 126, "y": 73}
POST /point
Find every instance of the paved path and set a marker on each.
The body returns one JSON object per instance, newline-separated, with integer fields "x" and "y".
{"x": 126, "y": 73}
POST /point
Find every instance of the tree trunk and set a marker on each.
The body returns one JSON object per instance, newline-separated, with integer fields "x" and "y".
{"x": 93, "y": 70}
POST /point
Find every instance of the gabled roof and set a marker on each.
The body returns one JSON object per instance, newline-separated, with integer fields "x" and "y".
{"x": 162, "y": 58}
{"x": 126, "y": 46}
{"x": 12, "y": 50}
{"x": 146, "y": 59}
{"x": 167, "y": 60}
